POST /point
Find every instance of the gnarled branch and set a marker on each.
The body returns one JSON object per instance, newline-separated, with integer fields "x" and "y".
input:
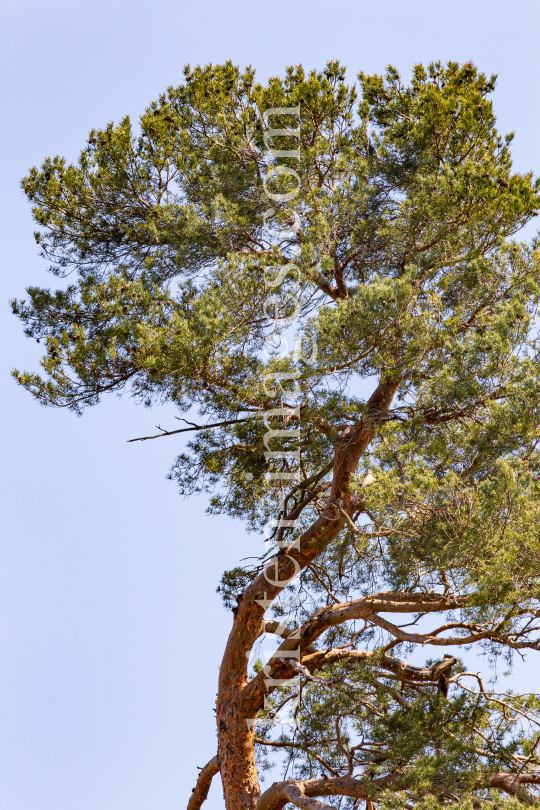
{"x": 295, "y": 791}
{"x": 388, "y": 601}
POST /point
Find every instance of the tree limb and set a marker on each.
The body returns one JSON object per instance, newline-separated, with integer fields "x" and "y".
{"x": 323, "y": 619}
{"x": 196, "y": 427}
{"x": 200, "y": 791}
{"x": 292, "y": 790}
{"x": 295, "y": 794}
{"x": 431, "y": 638}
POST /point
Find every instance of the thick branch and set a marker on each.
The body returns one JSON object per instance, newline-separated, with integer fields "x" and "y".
{"x": 305, "y": 636}
{"x": 295, "y": 794}
{"x": 276, "y": 628}
{"x": 200, "y": 791}
{"x": 234, "y": 734}
{"x": 248, "y": 624}
{"x": 401, "y": 668}
{"x": 277, "y": 796}
{"x": 513, "y": 785}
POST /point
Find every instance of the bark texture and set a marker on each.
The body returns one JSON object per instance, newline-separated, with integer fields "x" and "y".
{"x": 234, "y": 714}
{"x": 200, "y": 791}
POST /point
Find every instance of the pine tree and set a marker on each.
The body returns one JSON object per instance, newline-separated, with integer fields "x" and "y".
{"x": 331, "y": 280}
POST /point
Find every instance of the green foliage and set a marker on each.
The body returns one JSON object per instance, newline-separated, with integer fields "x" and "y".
{"x": 233, "y": 584}
{"x": 407, "y": 270}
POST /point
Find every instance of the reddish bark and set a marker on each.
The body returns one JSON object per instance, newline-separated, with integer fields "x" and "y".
{"x": 200, "y": 791}
{"x": 235, "y": 734}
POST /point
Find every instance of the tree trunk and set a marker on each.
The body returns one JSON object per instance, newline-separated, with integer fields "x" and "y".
{"x": 236, "y": 750}
{"x": 236, "y": 754}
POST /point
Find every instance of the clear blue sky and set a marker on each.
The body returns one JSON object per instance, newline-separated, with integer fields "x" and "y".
{"x": 110, "y": 629}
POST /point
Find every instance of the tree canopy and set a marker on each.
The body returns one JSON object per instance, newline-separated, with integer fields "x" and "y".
{"x": 330, "y": 280}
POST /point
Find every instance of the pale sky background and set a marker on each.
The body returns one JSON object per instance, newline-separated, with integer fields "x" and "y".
{"x": 110, "y": 628}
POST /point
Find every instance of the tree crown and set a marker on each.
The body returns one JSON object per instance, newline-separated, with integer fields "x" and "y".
{"x": 377, "y": 231}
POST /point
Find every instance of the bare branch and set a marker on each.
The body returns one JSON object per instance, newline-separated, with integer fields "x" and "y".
{"x": 432, "y": 638}
{"x": 196, "y": 427}
{"x": 300, "y": 746}
{"x": 200, "y": 791}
